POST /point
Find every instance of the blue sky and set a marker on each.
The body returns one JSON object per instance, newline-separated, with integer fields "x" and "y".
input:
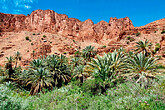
{"x": 140, "y": 12}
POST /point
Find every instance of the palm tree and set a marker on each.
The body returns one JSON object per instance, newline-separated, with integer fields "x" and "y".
{"x": 106, "y": 67}
{"x": 76, "y": 61}
{"x": 79, "y": 73}
{"x": 88, "y": 53}
{"x": 17, "y": 58}
{"x": 37, "y": 63}
{"x": 77, "y": 54}
{"x": 38, "y": 79}
{"x": 59, "y": 69}
{"x": 143, "y": 46}
{"x": 9, "y": 67}
{"x": 140, "y": 67}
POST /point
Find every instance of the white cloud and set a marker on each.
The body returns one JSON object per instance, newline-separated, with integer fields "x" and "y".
{"x": 16, "y": 6}
{"x": 27, "y": 6}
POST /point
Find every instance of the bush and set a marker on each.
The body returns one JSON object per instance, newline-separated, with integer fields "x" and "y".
{"x": 157, "y": 47}
{"x": 27, "y": 38}
{"x": 65, "y": 52}
{"x": 34, "y": 34}
{"x": 130, "y": 38}
{"x": 127, "y": 42}
{"x": 137, "y": 34}
{"x": 74, "y": 41}
{"x": 104, "y": 46}
{"x": 163, "y": 32}
{"x": 10, "y": 100}
{"x": 91, "y": 87}
{"x": 44, "y": 36}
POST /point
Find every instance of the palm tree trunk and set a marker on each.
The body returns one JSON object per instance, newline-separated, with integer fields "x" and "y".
{"x": 15, "y": 64}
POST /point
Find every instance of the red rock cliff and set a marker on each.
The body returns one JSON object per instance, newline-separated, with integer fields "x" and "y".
{"x": 50, "y": 21}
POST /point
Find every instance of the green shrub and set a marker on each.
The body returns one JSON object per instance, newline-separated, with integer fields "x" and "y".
{"x": 130, "y": 38}
{"x": 137, "y": 34}
{"x": 91, "y": 86}
{"x": 104, "y": 46}
{"x": 127, "y": 42}
{"x": 27, "y": 38}
{"x": 157, "y": 47}
{"x": 10, "y": 100}
{"x": 65, "y": 52}
{"x": 74, "y": 41}
{"x": 34, "y": 34}
{"x": 163, "y": 32}
{"x": 44, "y": 36}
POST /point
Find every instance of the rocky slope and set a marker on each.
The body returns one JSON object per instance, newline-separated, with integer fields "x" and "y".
{"x": 66, "y": 35}
{"x": 49, "y": 21}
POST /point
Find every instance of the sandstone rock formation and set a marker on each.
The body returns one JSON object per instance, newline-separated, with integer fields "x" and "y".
{"x": 49, "y": 21}
{"x": 41, "y": 50}
{"x": 67, "y": 35}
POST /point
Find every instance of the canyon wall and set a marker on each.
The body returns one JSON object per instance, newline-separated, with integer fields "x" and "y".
{"x": 50, "y": 21}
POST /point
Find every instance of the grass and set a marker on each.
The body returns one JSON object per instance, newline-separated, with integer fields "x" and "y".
{"x": 124, "y": 96}
{"x": 101, "y": 91}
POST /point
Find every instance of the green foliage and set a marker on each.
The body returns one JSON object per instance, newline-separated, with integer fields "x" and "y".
{"x": 127, "y": 42}
{"x": 65, "y": 52}
{"x": 74, "y": 41}
{"x": 77, "y": 54}
{"x": 1, "y": 71}
{"x": 157, "y": 47}
{"x": 106, "y": 69}
{"x": 9, "y": 66}
{"x": 116, "y": 80}
{"x": 104, "y": 46}
{"x": 163, "y": 32}
{"x": 143, "y": 46}
{"x": 44, "y": 36}
{"x": 130, "y": 38}
{"x": 38, "y": 79}
{"x": 88, "y": 53}
{"x": 124, "y": 96}
{"x": 138, "y": 34}
{"x": 9, "y": 100}
{"x": 140, "y": 67}
{"x": 27, "y": 38}
{"x": 34, "y": 34}
{"x": 58, "y": 67}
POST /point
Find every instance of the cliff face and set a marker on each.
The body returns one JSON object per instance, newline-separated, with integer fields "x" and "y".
{"x": 49, "y": 21}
